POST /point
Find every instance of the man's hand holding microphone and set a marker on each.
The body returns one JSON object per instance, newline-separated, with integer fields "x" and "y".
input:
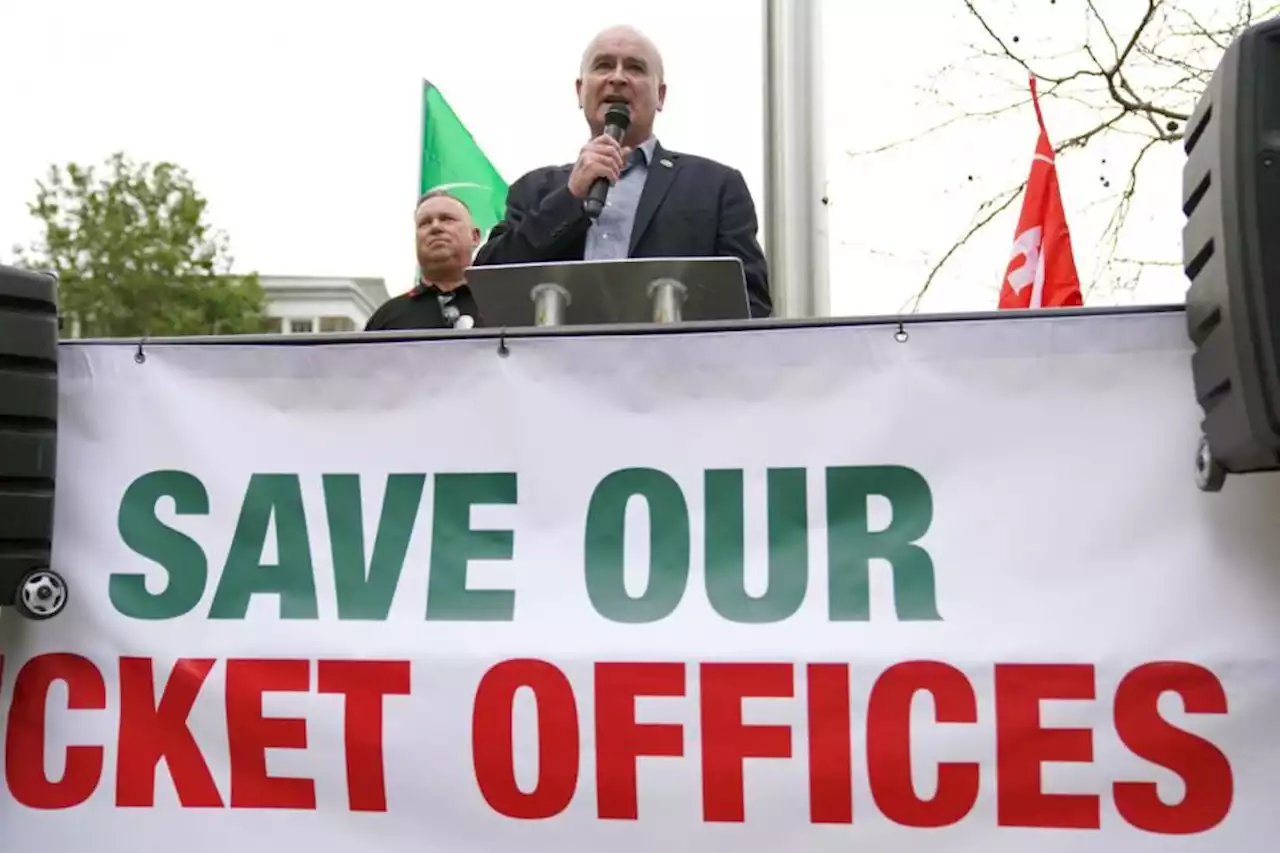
{"x": 602, "y": 157}
{"x": 601, "y": 161}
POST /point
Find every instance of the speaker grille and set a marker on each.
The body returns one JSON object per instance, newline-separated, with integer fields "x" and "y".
{"x": 1231, "y": 243}
{"x": 28, "y": 422}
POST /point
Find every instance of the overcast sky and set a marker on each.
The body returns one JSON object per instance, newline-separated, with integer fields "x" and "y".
{"x": 300, "y": 123}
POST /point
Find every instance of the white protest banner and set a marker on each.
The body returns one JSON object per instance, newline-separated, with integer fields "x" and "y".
{"x": 808, "y": 589}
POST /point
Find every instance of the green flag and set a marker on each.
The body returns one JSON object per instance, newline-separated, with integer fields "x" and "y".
{"x": 452, "y": 160}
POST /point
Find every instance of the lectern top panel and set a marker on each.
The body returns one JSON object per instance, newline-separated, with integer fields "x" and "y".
{"x": 602, "y": 292}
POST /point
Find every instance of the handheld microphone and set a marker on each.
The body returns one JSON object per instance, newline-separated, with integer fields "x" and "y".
{"x": 616, "y": 121}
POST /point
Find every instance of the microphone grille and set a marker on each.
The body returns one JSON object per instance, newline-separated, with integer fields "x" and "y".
{"x": 618, "y": 114}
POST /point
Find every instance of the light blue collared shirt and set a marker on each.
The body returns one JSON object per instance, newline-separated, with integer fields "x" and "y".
{"x": 609, "y": 237}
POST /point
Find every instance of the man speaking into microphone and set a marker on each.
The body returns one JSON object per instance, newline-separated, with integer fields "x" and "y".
{"x": 647, "y": 202}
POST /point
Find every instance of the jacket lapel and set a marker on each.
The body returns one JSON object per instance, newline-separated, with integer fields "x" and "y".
{"x": 662, "y": 172}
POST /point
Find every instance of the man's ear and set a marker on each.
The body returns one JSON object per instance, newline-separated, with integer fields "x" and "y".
{"x": 577, "y": 88}
{"x": 662, "y": 95}
{"x": 475, "y": 238}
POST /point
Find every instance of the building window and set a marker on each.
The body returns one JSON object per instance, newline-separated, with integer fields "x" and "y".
{"x": 300, "y": 326}
{"x": 337, "y": 324}
{"x": 274, "y": 325}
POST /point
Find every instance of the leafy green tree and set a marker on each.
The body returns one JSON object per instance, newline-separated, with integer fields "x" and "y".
{"x": 135, "y": 256}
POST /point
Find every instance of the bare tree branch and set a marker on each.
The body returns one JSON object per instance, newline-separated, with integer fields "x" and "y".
{"x": 1137, "y": 77}
{"x": 1146, "y": 262}
{"x": 997, "y": 204}
{"x": 995, "y": 208}
{"x": 1120, "y": 214}
{"x": 971, "y": 116}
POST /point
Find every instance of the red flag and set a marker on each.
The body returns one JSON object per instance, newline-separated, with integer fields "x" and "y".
{"x": 1042, "y": 271}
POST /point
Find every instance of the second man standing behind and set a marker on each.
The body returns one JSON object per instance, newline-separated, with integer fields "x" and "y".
{"x": 445, "y": 237}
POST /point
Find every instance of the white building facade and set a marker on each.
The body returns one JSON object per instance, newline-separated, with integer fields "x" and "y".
{"x": 299, "y": 305}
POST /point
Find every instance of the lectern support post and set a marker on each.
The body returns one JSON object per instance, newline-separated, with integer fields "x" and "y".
{"x": 668, "y": 297}
{"x": 549, "y": 302}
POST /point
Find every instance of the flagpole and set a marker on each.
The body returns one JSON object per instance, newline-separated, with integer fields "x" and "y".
{"x": 422, "y": 146}
{"x": 422, "y": 128}
{"x": 795, "y": 226}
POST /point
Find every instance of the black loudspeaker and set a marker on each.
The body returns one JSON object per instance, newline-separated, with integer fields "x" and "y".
{"x": 1231, "y": 254}
{"x": 28, "y": 442}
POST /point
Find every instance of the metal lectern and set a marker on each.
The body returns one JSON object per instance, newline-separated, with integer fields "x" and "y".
{"x": 635, "y": 290}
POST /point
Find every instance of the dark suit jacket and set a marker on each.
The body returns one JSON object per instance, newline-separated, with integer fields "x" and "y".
{"x": 696, "y": 208}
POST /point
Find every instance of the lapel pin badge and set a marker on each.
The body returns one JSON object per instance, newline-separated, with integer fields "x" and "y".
{"x": 665, "y": 162}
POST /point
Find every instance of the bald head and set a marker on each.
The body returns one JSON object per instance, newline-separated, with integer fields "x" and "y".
{"x": 441, "y": 193}
{"x": 622, "y": 65}
{"x": 628, "y": 33}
